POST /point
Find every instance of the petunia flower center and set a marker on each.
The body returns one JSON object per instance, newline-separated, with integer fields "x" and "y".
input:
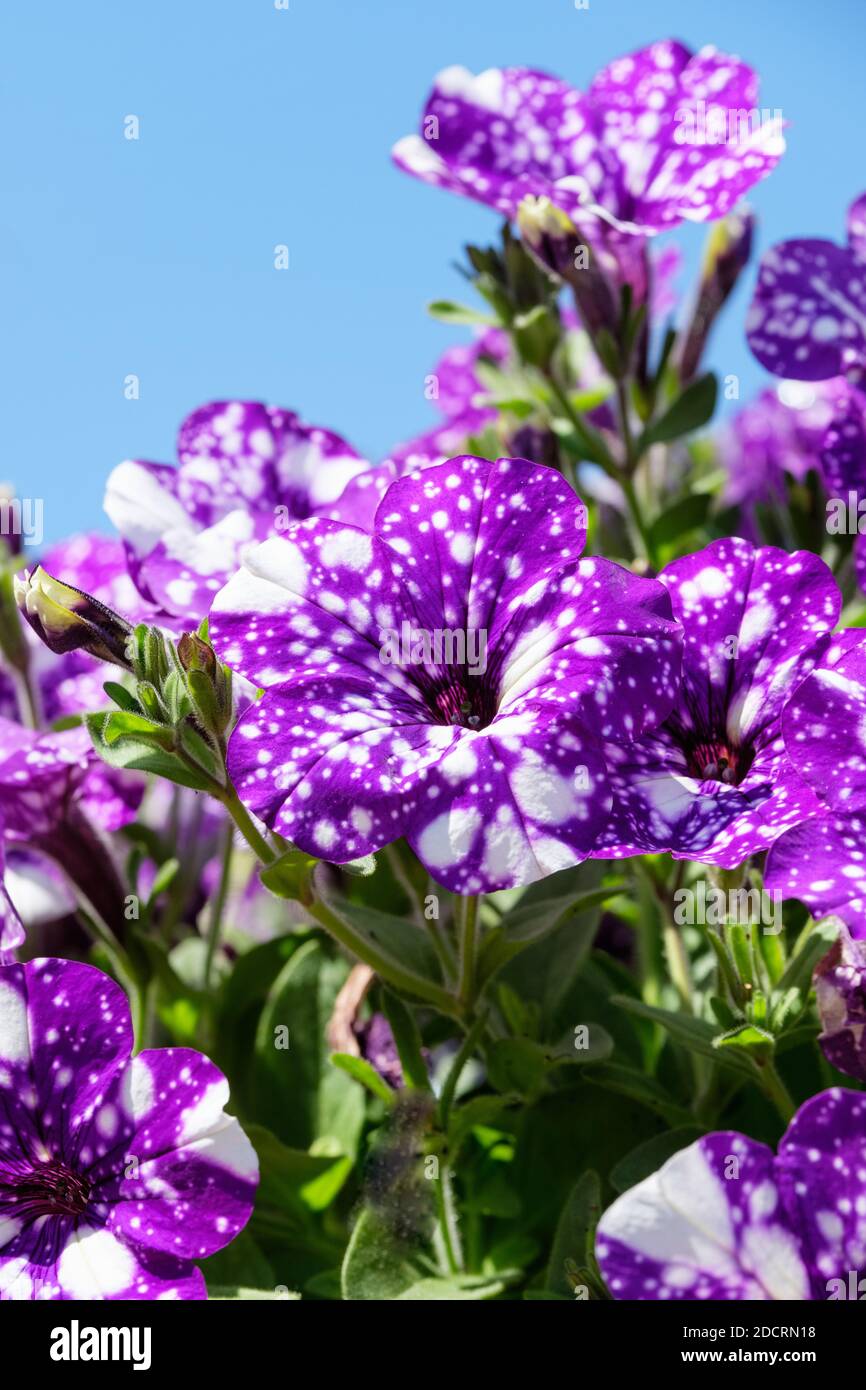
{"x": 718, "y": 761}
{"x": 46, "y": 1189}
{"x": 462, "y": 699}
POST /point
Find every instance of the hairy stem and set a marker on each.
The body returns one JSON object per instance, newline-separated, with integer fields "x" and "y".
{"x": 468, "y": 931}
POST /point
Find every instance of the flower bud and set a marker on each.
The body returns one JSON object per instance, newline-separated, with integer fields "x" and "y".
{"x": 209, "y": 683}
{"x": 840, "y": 988}
{"x": 558, "y": 245}
{"x": 196, "y": 655}
{"x": 728, "y": 249}
{"x": 67, "y": 619}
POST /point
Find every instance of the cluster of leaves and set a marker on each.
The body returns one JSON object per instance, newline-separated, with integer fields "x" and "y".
{"x": 483, "y": 1174}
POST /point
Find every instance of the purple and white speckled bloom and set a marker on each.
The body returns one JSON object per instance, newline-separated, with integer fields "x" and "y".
{"x": 808, "y": 315}
{"x": 726, "y": 1218}
{"x": 779, "y": 434}
{"x": 840, "y": 993}
{"x": 53, "y": 790}
{"x": 843, "y": 464}
{"x": 714, "y": 782}
{"x": 492, "y": 770}
{"x": 245, "y": 470}
{"x": 629, "y": 151}
{"x": 823, "y": 861}
{"x": 115, "y": 1173}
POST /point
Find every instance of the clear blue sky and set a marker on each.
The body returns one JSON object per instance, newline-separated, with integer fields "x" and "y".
{"x": 261, "y": 126}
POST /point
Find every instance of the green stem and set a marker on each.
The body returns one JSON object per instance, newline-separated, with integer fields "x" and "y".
{"x": 442, "y": 947}
{"x": 356, "y": 944}
{"x": 447, "y": 1220}
{"x": 362, "y": 947}
{"x": 631, "y": 458}
{"x": 245, "y": 824}
{"x": 215, "y": 918}
{"x": 28, "y": 698}
{"x": 467, "y": 1048}
{"x": 468, "y": 943}
{"x": 676, "y": 956}
{"x": 636, "y": 514}
{"x": 120, "y": 964}
{"x": 678, "y": 964}
{"x": 630, "y": 463}
{"x": 776, "y": 1090}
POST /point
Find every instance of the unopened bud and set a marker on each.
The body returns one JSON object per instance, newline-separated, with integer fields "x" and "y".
{"x": 67, "y": 619}
{"x": 728, "y": 249}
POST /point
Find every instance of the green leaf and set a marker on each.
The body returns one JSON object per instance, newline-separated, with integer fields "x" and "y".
{"x": 608, "y": 350}
{"x": 574, "y": 1240}
{"x": 448, "y": 312}
{"x": 359, "y": 868}
{"x": 581, "y": 439}
{"x": 516, "y": 1065}
{"x": 567, "y": 1053}
{"x": 648, "y": 1157}
{"x": 800, "y": 969}
{"x": 548, "y": 970}
{"x": 468, "y": 1288}
{"x": 627, "y": 1081}
{"x": 293, "y": 1182}
{"x": 689, "y": 412}
{"x": 399, "y": 950}
{"x": 233, "y": 1294}
{"x": 536, "y": 334}
{"x": 360, "y": 1070}
{"x": 481, "y": 1111}
{"x": 407, "y": 1040}
{"x": 692, "y": 1033}
{"x": 289, "y": 876}
{"x": 121, "y": 696}
{"x": 520, "y": 1064}
{"x": 531, "y": 923}
{"x": 163, "y": 878}
{"x": 242, "y": 1262}
{"x": 687, "y": 515}
{"x": 296, "y": 1092}
{"x": 126, "y": 740}
{"x": 377, "y": 1268}
{"x": 202, "y": 752}
{"x": 753, "y": 1041}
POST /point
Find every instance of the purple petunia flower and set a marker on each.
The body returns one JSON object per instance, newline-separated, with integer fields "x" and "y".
{"x": 713, "y": 782}
{"x": 808, "y": 316}
{"x": 801, "y": 426}
{"x": 376, "y": 1041}
{"x": 245, "y": 471}
{"x": 843, "y": 464}
{"x": 779, "y": 434}
{"x": 115, "y": 1173}
{"x": 640, "y": 151}
{"x": 726, "y": 1218}
{"x": 823, "y": 861}
{"x": 840, "y": 992}
{"x": 52, "y": 792}
{"x": 449, "y": 677}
